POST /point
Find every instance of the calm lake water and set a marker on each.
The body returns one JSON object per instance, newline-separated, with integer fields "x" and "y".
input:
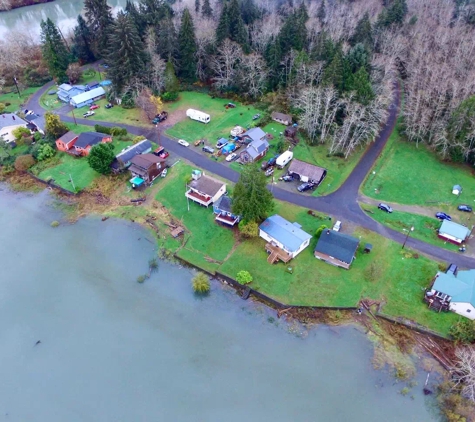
{"x": 115, "y": 350}
{"x": 63, "y": 12}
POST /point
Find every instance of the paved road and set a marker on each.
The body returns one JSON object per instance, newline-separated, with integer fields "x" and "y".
{"x": 341, "y": 204}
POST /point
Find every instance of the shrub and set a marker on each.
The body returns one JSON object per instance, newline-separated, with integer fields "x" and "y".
{"x": 249, "y": 230}
{"x": 153, "y": 264}
{"x": 118, "y": 131}
{"x": 55, "y": 223}
{"x": 45, "y": 151}
{"x": 101, "y": 157}
{"x": 37, "y": 136}
{"x": 103, "y": 129}
{"x": 138, "y": 138}
{"x": 319, "y": 231}
{"x": 24, "y": 162}
{"x": 201, "y": 283}
{"x": 2, "y": 107}
{"x": 463, "y": 331}
{"x": 20, "y": 132}
{"x": 141, "y": 278}
{"x": 244, "y": 277}
{"x": 169, "y": 97}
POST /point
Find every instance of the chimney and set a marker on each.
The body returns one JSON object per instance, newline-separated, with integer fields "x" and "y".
{"x": 328, "y": 231}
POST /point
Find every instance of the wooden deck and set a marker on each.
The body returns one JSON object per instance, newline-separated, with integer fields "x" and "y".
{"x": 196, "y": 197}
{"x": 277, "y": 253}
{"x": 224, "y": 218}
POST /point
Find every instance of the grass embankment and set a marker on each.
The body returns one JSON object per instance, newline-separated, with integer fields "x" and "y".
{"x": 222, "y": 119}
{"x": 71, "y": 172}
{"x": 15, "y": 101}
{"x": 425, "y": 228}
{"x": 414, "y": 175}
{"x": 388, "y": 274}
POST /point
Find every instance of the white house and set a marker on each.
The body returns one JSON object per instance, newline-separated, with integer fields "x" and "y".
{"x": 285, "y": 239}
{"x": 457, "y": 289}
{"x": 87, "y": 97}
{"x": 8, "y": 123}
{"x": 204, "y": 190}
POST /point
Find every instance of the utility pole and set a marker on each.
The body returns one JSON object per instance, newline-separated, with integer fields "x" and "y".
{"x": 407, "y": 235}
{"x": 16, "y": 84}
{"x": 74, "y": 117}
{"x": 72, "y": 181}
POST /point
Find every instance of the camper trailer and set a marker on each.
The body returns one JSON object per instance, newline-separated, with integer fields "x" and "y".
{"x": 198, "y": 115}
{"x": 284, "y": 159}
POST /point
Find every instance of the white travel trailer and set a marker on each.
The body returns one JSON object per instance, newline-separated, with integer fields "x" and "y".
{"x": 284, "y": 159}
{"x": 198, "y": 115}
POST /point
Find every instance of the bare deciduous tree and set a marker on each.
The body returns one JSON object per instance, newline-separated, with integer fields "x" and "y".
{"x": 225, "y": 65}
{"x": 464, "y": 371}
{"x": 253, "y": 75}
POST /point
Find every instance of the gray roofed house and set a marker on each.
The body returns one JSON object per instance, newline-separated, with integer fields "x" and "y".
{"x": 36, "y": 122}
{"x": 336, "y": 248}
{"x": 8, "y": 123}
{"x": 307, "y": 172}
{"x": 88, "y": 97}
{"x": 285, "y": 119}
{"x": 453, "y": 232}
{"x": 122, "y": 160}
{"x": 254, "y": 151}
{"x": 254, "y": 134}
{"x": 205, "y": 190}
{"x": 87, "y": 140}
{"x": 223, "y": 210}
{"x": 147, "y": 166}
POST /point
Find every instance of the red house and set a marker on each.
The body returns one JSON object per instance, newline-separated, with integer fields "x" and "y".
{"x": 66, "y": 142}
{"x": 87, "y": 140}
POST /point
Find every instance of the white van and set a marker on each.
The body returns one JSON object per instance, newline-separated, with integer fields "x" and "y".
{"x": 284, "y": 159}
{"x": 198, "y": 115}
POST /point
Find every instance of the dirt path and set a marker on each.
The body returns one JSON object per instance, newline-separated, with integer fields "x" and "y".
{"x": 413, "y": 209}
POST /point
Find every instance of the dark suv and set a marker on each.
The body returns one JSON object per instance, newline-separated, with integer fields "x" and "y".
{"x": 306, "y": 186}
{"x": 385, "y": 207}
{"x": 443, "y": 216}
{"x": 208, "y": 149}
{"x": 464, "y": 208}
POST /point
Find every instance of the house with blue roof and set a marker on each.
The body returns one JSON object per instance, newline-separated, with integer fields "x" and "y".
{"x": 454, "y": 291}
{"x": 123, "y": 160}
{"x": 453, "y": 232}
{"x": 254, "y": 151}
{"x": 87, "y": 97}
{"x": 223, "y": 210}
{"x": 66, "y": 92}
{"x": 285, "y": 240}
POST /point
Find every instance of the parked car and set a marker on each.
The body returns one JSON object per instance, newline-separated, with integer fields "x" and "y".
{"x": 337, "y": 226}
{"x": 231, "y": 157}
{"x": 94, "y": 107}
{"x": 270, "y": 171}
{"x": 256, "y": 116}
{"x": 88, "y": 113}
{"x": 464, "y": 208}
{"x": 443, "y": 216}
{"x": 385, "y": 207}
{"x": 230, "y": 105}
{"x": 287, "y": 178}
{"x": 208, "y": 149}
{"x": 164, "y": 172}
{"x": 105, "y": 65}
{"x": 108, "y": 105}
{"x": 306, "y": 186}
{"x": 183, "y": 142}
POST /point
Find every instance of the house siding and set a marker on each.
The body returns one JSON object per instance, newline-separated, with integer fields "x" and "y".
{"x": 463, "y": 308}
{"x": 331, "y": 260}
{"x": 450, "y": 238}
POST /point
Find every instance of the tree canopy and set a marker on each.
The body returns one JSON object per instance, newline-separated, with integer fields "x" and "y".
{"x": 100, "y": 158}
{"x": 54, "y": 50}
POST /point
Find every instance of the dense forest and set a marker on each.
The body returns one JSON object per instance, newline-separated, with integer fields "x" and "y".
{"x": 333, "y": 64}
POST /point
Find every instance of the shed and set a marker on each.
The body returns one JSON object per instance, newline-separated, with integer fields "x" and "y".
{"x": 453, "y": 232}
{"x": 307, "y": 172}
{"x": 285, "y": 119}
{"x": 457, "y": 190}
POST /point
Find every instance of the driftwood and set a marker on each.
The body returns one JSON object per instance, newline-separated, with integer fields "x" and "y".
{"x": 138, "y": 200}
{"x": 105, "y": 218}
{"x": 282, "y": 311}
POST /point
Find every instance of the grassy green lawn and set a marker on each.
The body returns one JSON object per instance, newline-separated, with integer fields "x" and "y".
{"x": 222, "y": 120}
{"x": 68, "y": 170}
{"x": 338, "y": 169}
{"x": 424, "y": 227}
{"x": 51, "y": 102}
{"x": 116, "y": 114}
{"x": 79, "y": 128}
{"x": 207, "y": 242}
{"x": 15, "y": 101}
{"x": 413, "y": 175}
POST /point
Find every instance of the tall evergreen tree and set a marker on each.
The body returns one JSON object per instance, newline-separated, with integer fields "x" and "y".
{"x": 206, "y": 10}
{"x": 273, "y": 56}
{"x": 187, "y": 47}
{"x": 251, "y": 199}
{"x": 54, "y": 50}
{"x": 99, "y": 18}
{"x": 237, "y": 29}
{"x": 153, "y": 11}
{"x": 336, "y": 73}
{"x": 222, "y": 31}
{"x": 167, "y": 38}
{"x": 363, "y": 33}
{"x": 197, "y": 6}
{"x": 361, "y": 84}
{"x": 321, "y": 12}
{"x": 134, "y": 14}
{"x": 82, "y": 47}
{"x": 249, "y": 11}
{"x": 171, "y": 81}
{"x": 126, "y": 53}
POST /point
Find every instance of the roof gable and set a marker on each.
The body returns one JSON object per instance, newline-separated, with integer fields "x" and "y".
{"x": 460, "y": 287}
{"x": 256, "y": 148}
{"x": 338, "y": 245}
{"x": 207, "y": 185}
{"x": 89, "y": 139}
{"x": 67, "y": 137}
{"x": 10, "y": 119}
{"x": 255, "y": 134}
{"x": 453, "y": 229}
{"x": 288, "y": 234}
{"x": 146, "y": 161}
{"x": 305, "y": 169}
{"x": 224, "y": 204}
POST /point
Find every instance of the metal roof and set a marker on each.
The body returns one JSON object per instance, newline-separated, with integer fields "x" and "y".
{"x": 338, "y": 245}
{"x": 307, "y": 170}
{"x": 256, "y": 148}
{"x": 288, "y": 234}
{"x": 145, "y": 161}
{"x": 134, "y": 150}
{"x": 223, "y": 204}
{"x": 10, "y": 119}
{"x": 90, "y": 138}
{"x": 207, "y": 185}
{"x": 453, "y": 229}
{"x": 460, "y": 287}
{"x": 89, "y": 95}
{"x": 256, "y": 134}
